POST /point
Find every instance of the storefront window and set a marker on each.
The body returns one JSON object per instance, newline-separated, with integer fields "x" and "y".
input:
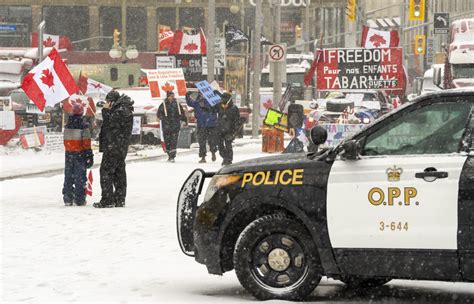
{"x": 71, "y": 21}
{"x": 110, "y": 18}
{"x": 167, "y": 17}
{"x": 136, "y": 27}
{"x": 192, "y": 17}
{"x": 17, "y": 21}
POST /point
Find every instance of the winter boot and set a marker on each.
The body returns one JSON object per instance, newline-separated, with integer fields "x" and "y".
{"x": 80, "y": 203}
{"x": 103, "y": 205}
{"x": 203, "y": 160}
{"x": 119, "y": 204}
{"x": 171, "y": 160}
{"x": 67, "y": 204}
{"x": 214, "y": 156}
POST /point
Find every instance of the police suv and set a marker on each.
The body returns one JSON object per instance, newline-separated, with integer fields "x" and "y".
{"x": 396, "y": 201}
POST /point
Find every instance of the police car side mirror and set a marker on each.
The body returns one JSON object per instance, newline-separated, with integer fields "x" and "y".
{"x": 318, "y": 135}
{"x": 351, "y": 149}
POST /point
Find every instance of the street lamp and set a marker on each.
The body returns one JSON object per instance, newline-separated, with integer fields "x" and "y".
{"x": 130, "y": 52}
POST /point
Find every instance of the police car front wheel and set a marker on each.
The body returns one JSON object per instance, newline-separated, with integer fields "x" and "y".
{"x": 275, "y": 258}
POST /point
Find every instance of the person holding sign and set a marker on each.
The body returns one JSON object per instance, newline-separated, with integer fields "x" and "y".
{"x": 171, "y": 114}
{"x": 206, "y": 125}
{"x": 228, "y": 123}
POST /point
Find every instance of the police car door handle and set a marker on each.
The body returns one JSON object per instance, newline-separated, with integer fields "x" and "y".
{"x": 431, "y": 174}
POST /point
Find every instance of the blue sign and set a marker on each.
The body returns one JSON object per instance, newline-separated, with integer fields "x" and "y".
{"x": 205, "y": 88}
{"x": 8, "y": 27}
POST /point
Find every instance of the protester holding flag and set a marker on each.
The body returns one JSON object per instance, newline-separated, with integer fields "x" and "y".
{"x": 228, "y": 123}
{"x": 114, "y": 139}
{"x": 79, "y": 156}
{"x": 206, "y": 125}
{"x": 171, "y": 113}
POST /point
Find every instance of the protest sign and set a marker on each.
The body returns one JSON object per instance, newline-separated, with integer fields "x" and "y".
{"x": 137, "y": 125}
{"x": 191, "y": 66}
{"x": 276, "y": 119}
{"x": 165, "y": 80}
{"x": 339, "y": 132}
{"x": 54, "y": 141}
{"x": 7, "y": 120}
{"x": 205, "y": 88}
{"x": 358, "y": 68}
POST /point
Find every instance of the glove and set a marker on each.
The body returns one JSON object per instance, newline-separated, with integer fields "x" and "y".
{"x": 89, "y": 160}
{"x": 229, "y": 137}
{"x": 188, "y": 94}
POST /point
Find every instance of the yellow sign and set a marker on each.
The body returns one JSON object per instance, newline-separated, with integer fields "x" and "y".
{"x": 279, "y": 177}
{"x": 377, "y": 196}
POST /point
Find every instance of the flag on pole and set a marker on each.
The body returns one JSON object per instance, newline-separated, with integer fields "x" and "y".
{"x": 89, "y": 183}
{"x": 308, "y": 77}
{"x": 86, "y": 101}
{"x": 166, "y": 39}
{"x": 372, "y": 38}
{"x": 184, "y": 43}
{"x": 234, "y": 36}
{"x": 49, "y": 82}
{"x": 90, "y": 86}
{"x": 55, "y": 41}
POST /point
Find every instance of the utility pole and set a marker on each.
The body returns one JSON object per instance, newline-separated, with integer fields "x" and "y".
{"x": 40, "y": 40}
{"x": 124, "y": 24}
{"x": 256, "y": 69}
{"x": 276, "y": 65}
{"x": 402, "y": 31}
{"x": 211, "y": 37}
{"x": 308, "y": 92}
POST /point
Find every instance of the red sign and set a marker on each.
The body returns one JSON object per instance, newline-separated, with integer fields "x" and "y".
{"x": 360, "y": 69}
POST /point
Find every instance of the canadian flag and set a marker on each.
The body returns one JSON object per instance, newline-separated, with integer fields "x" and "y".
{"x": 166, "y": 39}
{"x": 86, "y": 101}
{"x": 89, "y": 86}
{"x": 89, "y": 183}
{"x": 372, "y": 38}
{"x": 55, "y": 41}
{"x": 49, "y": 82}
{"x": 188, "y": 44}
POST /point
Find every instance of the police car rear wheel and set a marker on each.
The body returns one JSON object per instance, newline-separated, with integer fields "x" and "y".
{"x": 356, "y": 282}
{"x": 275, "y": 258}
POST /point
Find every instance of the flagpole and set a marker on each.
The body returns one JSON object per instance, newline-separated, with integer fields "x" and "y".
{"x": 256, "y": 69}
{"x": 211, "y": 27}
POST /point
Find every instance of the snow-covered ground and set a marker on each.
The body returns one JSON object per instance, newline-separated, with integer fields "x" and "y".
{"x": 51, "y": 253}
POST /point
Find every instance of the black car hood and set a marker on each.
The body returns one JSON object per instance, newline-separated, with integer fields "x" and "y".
{"x": 280, "y": 161}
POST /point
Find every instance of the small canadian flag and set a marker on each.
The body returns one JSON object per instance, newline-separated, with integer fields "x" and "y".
{"x": 49, "y": 82}
{"x": 89, "y": 183}
{"x": 372, "y": 38}
{"x": 188, "y": 44}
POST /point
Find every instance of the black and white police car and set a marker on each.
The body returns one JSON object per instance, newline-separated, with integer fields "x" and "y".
{"x": 396, "y": 201}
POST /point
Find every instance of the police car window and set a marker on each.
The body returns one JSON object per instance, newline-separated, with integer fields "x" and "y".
{"x": 433, "y": 129}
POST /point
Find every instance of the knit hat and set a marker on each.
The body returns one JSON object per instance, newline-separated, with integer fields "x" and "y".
{"x": 112, "y": 96}
{"x": 226, "y": 97}
{"x": 169, "y": 93}
{"x": 77, "y": 109}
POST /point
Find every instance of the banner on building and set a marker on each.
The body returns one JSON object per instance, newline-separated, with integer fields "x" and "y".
{"x": 166, "y": 80}
{"x": 360, "y": 69}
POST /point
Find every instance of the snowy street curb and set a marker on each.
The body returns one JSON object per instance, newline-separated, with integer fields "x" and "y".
{"x": 57, "y": 171}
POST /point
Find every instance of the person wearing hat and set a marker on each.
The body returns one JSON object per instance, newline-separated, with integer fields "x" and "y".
{"x": 114, "y": 139}
{"x": 79, "y": 157}
{"x": 171, "y": 113}
{"x": 228, "y": 123}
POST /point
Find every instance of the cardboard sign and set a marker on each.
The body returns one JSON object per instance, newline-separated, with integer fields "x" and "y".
{"x": 205, "y": 88}
{"x": 277, "y": 120}
{"x": 165, "y": 80}
{"x": 360, "y": 69}
{"x": 339, "y": 132}
{"x": 137, "y": 125}
{"x": 191, "y": 66}
{"x": 54, "y": 141}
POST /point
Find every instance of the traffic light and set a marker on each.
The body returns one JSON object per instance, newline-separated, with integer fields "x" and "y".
{"x": 420, "y": 44}
{"x": 116, "y": 38}
{"x": 417, "y": 10}
{"x": 298, "y": 32}
{"x": 351, "y": 10}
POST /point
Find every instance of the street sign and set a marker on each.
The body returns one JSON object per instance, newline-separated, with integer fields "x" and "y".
{"x": 219, "y": 53}
{"x": 441, "y": 23}
{"x": 277, "y": 52}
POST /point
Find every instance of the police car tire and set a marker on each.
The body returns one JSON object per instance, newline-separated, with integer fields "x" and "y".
{"x": 254, "y": 233}
{"x": 356, "y": 282}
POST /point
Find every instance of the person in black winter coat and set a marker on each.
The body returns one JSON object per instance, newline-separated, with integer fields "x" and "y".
{"x": 114, "y": 139}
{"x": 228, "y": 123}
{"x": 171, "y": 113}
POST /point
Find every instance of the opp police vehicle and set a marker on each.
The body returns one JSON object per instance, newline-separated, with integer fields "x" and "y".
{"x": 395, "y": 201}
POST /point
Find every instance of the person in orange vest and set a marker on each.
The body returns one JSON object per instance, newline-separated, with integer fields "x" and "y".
{"x": 79, "y": 157}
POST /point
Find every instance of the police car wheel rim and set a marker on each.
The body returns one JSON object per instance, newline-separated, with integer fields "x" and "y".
{"x": 289, "y": 266}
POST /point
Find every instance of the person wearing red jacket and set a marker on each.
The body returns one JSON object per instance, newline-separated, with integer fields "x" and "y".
{"x": 79, "y": 157}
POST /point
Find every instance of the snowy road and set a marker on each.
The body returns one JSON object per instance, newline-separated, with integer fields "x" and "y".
{"x": 55, "y": 253}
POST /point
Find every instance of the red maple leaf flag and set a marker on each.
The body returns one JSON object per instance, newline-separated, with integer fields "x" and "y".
{"x": 267, "y": 104}
{"x": 90, "y": 180}
{"x": 91, "y": 87}
{"x": 47, "y": 78}
{"x": 377, "y": 40}
{"x": 372, "y": 38}
{"x": 184, "y": 43}
{"x": 49, "y": 42}
{"x": 49, "y": 82}
{"x": 58, "y": 42}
